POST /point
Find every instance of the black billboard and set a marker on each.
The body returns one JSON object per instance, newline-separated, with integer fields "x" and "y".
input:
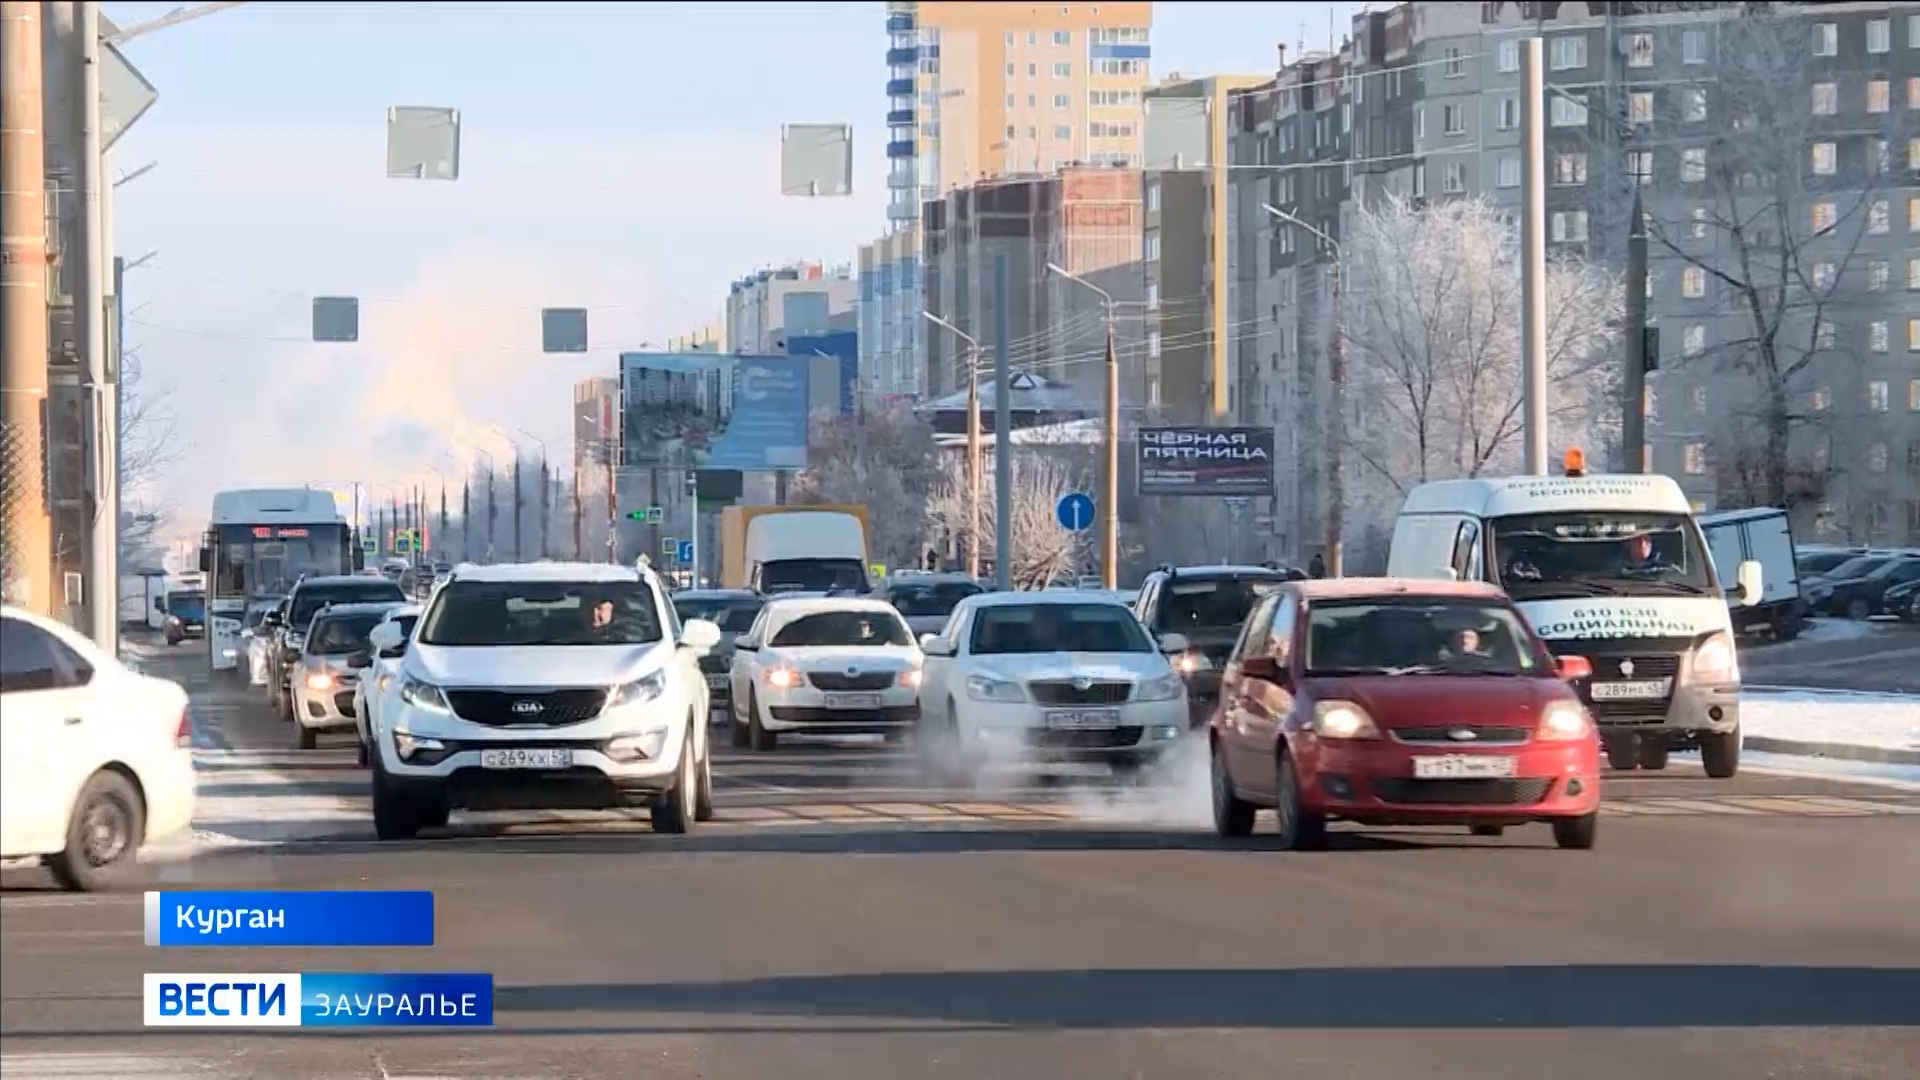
{"x": 1213, "y": 461}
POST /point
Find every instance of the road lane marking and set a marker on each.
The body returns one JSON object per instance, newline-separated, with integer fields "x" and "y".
{"x": 1860, "y": 807}
{"x": 1700, "y": 806}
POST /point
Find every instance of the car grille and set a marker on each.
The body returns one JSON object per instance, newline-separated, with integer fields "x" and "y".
{"x": 1096, "y": 739}
{"x": 497, "y": 708}
{"x": 1408, "y": 792}
{"x": 840, "y": 680}
{"x": 1063, "y": 692}
{"x": 1606, "y": 657}
{"x": 714, "y": 665}
{"x": 1481, "y": 734}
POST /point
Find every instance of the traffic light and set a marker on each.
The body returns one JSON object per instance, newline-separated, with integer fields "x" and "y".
{"x": 1651, "y": 348}
{"x": 636, "y": 515}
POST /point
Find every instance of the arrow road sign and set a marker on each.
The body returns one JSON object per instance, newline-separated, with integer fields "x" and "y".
{"x": 1074, "y": 511}
{"x": 684, "y": 553}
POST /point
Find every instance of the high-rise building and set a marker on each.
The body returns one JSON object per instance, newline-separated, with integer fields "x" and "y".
{"x": 892, "y": 330}
{"x": 986, "y": 89}
{"x": 596, "y": 422}
{"x": 805, "y": 298}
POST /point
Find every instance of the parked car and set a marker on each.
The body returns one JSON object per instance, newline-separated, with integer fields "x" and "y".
{"x": 1389, "y": 701}
{"x": 1904, "y": 601}
{"x": 1861, "y": 594}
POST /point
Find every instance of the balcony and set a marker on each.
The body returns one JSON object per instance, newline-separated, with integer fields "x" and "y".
{"x": 900, "y": 148}
{"x": 900, "y": 118}
{"x": 906, "y": 57}
{"x": 898, "y": 22}
{"x": 899, "y": 87}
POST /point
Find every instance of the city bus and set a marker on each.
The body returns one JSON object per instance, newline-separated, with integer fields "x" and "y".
{"x": 258, "y": 543}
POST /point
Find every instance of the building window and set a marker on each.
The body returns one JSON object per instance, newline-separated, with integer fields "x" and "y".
{"x": 1819, "y": 399}
{"x": 1823, "y": 216}
{"x": 1879, "y": 96}
{"x": 1640, "y": 165}
{"x": 1153, "y": 197}
{"x": 1823, "y": 334}
{"x": 1454, "y": 117}
{"x": 1877, "y": 218}
{"x": 1419, "y": 179}
{"x": 1061, "y": 101}
{"x": 1693, "y": 283}
{"x": 1693, "y": 165}
{"x": 1565, "y": 113}
{"x": 1010, "y": 70}
{"x": 1693, "y": 458}
{"x": 1697, "y": 223}
{"x": 1456, "y": 67}
{"x": 1823, "y": 275}
{"x": 1509, "y": 56}
{"x": 1507, "y": 116}
{"x": 1877, "y": 335}
{"x": 1913, "y": 273}
{"x": 1640, "y": 107}
{"x": 1569, "y": 169}
{"x": 1826, "y": 39}
{"x": 1419, "y": 123}
{"x": 1033, "y": 70}
{"x": 1913, "y": 31}
{"x": 1877, "y": 275}
{"x": 1913, "y": 213}
{"x": 1877, "y": 458}
{"x": 1693, "y": 46}
{"x": 1824, "y": 157}
{"x": 1063, "y": 131}
{"x": 1063, "y": 37}
{"x": 1063, "y": 70}
{"x": 1153, "y": 296}
{"x": 1877, "y": 395}
{"x": 1153, "y": 247}
{"x": 1826, "y": 99}
{"x": 1010, "y": 100}
{"x": 1697, "y": 400}
{"x": 1913, "y": 398}
{"x": 1693, "y": 340}
{"x": 1507, "y": 172}
{"x": 1569, "y": 227}
{"x": 1693, "y": 104}
{"x": 1640, "y": 50}
{"x": 1877, "y": 158}
{"x": 1913, "y": 90}
{"x": 1879, "y": 36}
{"x": 1913, "y": 335}
{"x": 1569, "y": 52}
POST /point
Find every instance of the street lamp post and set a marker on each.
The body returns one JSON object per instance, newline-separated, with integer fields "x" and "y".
{"x": 973, "y": 439}
{"x": 545, "y": 507}
{"x": 1336, "y": 394}
{"x": 1110, "y": 443}
{"x": 492, "y": 507}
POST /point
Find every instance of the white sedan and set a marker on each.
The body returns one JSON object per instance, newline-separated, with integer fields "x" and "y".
{"x": 828, "y": 665}
{"x": 1031, "y": 678}
{"x": 386, "y": 648}
{"x": 95, "y": 759}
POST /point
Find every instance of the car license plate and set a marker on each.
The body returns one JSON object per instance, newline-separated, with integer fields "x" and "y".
{"x": 1638, "y": 690}
{"x": 1083, "y": 719}
{"x": 719, "y": 716}
{"x": 1463, "y": 767}
{"x": 539, "y": 758}
{"x": 853, "y": 701}
{"x": 717, "y": 682}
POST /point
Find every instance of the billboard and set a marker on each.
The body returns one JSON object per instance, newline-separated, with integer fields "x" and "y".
{"x": 834, "y": 361}
{"x": 1212, "y": 461}
{"x": 711, "y": 411}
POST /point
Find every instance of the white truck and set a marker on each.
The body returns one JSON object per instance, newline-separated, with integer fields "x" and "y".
{"x": 1763, "y": 535}
{"x": 794, "y": 549}
{"x": 1613, "y": 568}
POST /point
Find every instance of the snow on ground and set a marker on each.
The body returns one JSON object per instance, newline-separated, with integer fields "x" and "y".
{"x": 1902, "y": 777}
{"x": 1889, "y": 721}
{"x": 1831, "y": 629}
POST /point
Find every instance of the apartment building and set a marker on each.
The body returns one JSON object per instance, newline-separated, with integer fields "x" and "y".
{"x": 596, "y": 422}
{"x": 892, "y": 330}
{"x": 805, "y": 298}
{"x": 708, "y": 337}
{"x": 980, "y": 89}
{"x": 1085, "y": 220}
{"x": 1655, "y": 100}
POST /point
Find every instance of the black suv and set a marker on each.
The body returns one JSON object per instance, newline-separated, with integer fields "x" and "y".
{"x": 288, "y": 631}
{"x": 1207, "y": 605}
{"x": 733, "y": 610}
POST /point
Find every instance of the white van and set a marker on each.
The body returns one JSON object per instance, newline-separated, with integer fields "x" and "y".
{"x": 1612, "y": 568}
{"x": 1764, "y": 535}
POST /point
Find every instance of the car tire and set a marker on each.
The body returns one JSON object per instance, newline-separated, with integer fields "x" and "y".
{"x": 1576, "y": 833}
{"x": 740, "y": 735}
{"x": 763, "y": 741}
{"x": 1858, "y": 609}
{"x": 1720, "y": 754}
{"x": 703, "y": 801}
{"x": 396, "y": 816}
{"x": 360, "y": 753}
{"x": 305, "y": 737}
{"x": 1653, "y": 754}
{"x": 1623, "y": 753}
{"x": 1300, "y": 829}
{"x": 103, "y": 837}
{"x": 1232, "y": 815}
{"x": 674, "y": 810}
{"x": 1787, "y": 627}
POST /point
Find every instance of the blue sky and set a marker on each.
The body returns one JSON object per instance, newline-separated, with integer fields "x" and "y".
{"x": 617, "y": 157}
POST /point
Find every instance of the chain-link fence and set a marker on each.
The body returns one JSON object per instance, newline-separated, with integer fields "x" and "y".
{"x": 20, "y": 488}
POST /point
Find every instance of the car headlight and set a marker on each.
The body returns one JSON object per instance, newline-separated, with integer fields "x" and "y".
{"x": 639, "y": 691}
{"x": 989, "y": 688}
{"x": 640, "y": 745}
{"x": 173, "y": 620}
{"x": 1161, "y": 688}
{"x": 782, "y": 678}
{"x": 1715, "y": 660}
{"x": 1562, "y": 721}
{"x": 424, "y": 696}
{"x": 1342, "y": 720}
{"x": 407, "y": 744}
{"x": 319, "y": 680}
{"x": 909, "y": 678}
{"x": 1189, "y": 663}
{"x": 383, "y": 682}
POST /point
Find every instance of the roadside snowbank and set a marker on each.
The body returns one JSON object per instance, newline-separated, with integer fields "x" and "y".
{"x": 1887, "y": 721}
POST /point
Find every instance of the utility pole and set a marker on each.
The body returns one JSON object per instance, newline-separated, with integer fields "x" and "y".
{"x": 579, "y": 544}
{"x": 653, "y": 500}
{"x": 519, "y": 504}
{"x": 27, "y": 547}
{"x": 99, "y": 564}
{"x": 693, "y": 500}
{"x": 1109, "y": 501}
{"x": 1002, "y": 433}
{"x": 613, "y": 503}
{"x": 1533, "y": 252}
{"x": 443, "y": 513}
{"x": 466, "y": 519}
{"x": 973, "y": 439}
{"x": 546, "y": 507}
{"x": 1336, "y": 424}
{"x": 493, "y": 512}
{"x": 1633, "y": 404}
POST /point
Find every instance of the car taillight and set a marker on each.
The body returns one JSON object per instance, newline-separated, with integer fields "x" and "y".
{"x": 183, "y": 735}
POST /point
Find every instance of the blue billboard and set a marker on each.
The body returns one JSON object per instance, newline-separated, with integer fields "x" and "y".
{"x": 712, "y": 411}
{"x": 837, "y": 351}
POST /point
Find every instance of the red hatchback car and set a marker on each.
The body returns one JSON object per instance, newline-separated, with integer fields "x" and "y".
{"x": 1396, "y": 702}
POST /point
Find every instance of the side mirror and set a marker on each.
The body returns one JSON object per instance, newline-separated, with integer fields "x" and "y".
{"x": 273, "y": 621}
{"x": 934, "y": 645}
{"x": 359, "y": 660}
{"x": 206, "y": 560}
{"x": 1573, "y": 668}
{"x": 394, "y": 652}
{"x": 742, "y": 644}
{"x": 700, "y": 635}
{"x": 1749, "y": 583}
{"x": 1174, "y": 644}
{"x": 1263, "y": 669}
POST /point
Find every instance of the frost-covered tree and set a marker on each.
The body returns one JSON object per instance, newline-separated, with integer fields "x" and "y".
{"x": 1043, "y": 552}
{"x": 886, "y": 462}
{"x": 1432, "y": 315}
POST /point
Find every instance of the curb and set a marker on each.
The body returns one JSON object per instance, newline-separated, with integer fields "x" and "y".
{"x": 1877, "y": 755}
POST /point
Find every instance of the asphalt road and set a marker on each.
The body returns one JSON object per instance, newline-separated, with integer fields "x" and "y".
{"x": 839, "y": 922}
{"x": 1833, "y": 655}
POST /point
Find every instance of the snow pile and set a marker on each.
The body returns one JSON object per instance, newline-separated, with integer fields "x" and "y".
{"x": 1886, "y": 721}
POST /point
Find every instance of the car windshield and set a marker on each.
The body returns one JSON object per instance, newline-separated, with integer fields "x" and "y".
{"x": 187, "y": 605}
{"x": 813, "y": 575}
{"x": 1212, "y": 603}
{"x": 310, "y": 600}
{"x": 871, "y": 629}
{"x": 1857, "y": 567}
{"x": 338, "y": 635}
{"x": 733, "y": 614}
{"x": 1418, "y": 636}
{"x": 1889, "y": 568}
{"x": 502, "y": 613}
{"x": 1049, "y": 628}
{"x": 932, "y": 599}
{"x": 1822, "y": 562}
{"x": 1600, "y": 553}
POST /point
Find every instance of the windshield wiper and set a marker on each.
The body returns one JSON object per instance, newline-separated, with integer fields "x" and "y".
{"x": 1669, "y": 588}
{"x": 1550, "y": 590}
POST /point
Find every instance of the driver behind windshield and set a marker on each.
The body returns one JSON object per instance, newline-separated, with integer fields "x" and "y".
{"x": 1643, "y": 555}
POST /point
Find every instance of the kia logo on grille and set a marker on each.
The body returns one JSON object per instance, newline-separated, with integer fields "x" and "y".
{"x": 528, "y": 708}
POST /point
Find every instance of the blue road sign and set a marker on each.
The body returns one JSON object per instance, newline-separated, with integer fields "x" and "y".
{"x": 1074, "y": 511}
{"x": 668, "y": 545}
{"x": 685, "y": 552}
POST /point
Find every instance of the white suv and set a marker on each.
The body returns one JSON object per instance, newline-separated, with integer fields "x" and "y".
{"x": 547, "y": 686}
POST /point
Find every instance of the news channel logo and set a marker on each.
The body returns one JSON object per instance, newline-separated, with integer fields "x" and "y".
{"x": 317, "y": 999}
